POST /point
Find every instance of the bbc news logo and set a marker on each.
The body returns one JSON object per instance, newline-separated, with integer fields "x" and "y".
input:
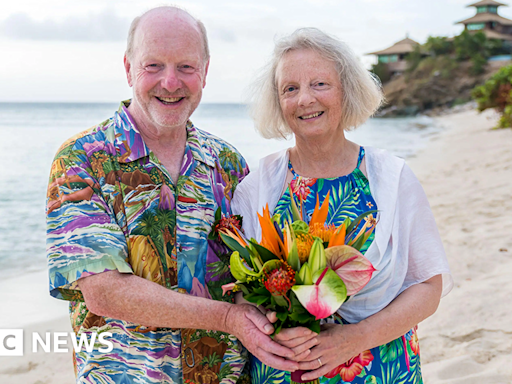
{"x": 11, "y": 342}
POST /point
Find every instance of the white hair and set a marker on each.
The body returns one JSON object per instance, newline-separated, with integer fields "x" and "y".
{"x": 362, "y": 94}
{"x": 136, "y": 21}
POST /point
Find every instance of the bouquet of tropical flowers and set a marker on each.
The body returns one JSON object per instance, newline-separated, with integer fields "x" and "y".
{"x": 303, "y": 271}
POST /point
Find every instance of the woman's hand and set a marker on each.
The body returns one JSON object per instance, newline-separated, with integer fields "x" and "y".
{"x": 336, "y": 345}
{"x": 300, "y": 339}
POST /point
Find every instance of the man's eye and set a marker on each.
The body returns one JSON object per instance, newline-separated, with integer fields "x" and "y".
{"x": 187, "y": 68}
{"x": 152, "y": 67}
{"x": 320, "y": 84}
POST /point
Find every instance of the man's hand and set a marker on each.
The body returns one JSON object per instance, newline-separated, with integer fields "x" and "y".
{"x": 252, "y": 328}
{"x": 299, "y": 339}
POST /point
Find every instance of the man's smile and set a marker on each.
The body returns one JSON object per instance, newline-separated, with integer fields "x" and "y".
{"x": 169, "y": 100}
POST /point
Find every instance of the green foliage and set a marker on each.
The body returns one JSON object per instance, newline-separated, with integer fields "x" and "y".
{"x": 468, "y": 45}
{"x": 479, "y": 62}
{"x": 439, "y": 45}
{"x": 382, "y": 71}
{"x": 497, "y": 93}
{"x": 414, "y": 58}
{"x": 473, "y": 47}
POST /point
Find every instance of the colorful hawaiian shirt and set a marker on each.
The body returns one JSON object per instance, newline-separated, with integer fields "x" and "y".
{"x": 111, "y": 205}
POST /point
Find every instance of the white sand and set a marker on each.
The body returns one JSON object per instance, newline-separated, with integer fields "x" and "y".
{"x": 467, "y": 174}
{"x": 25, "y": 303}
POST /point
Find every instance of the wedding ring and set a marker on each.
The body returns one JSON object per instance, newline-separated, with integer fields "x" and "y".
{"x": 319, "y": 361}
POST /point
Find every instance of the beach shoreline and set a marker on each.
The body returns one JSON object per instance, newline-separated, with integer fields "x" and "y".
{"x": 466, "y": 171}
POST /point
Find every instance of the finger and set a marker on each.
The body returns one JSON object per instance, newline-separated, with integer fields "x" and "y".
{"x": 260, "y": 321}
{"x": 275, "y": 361}
{"x": 267, "y": 344}
{"x": 293, "y": 343}
{"x": 262, "y": 309}
{"x": 295, "y": 333}
{"x": 271, "y": 316}
{"x": 302, "y": 356}
{"x": 310, "y": 365}
{"x": 305, "y": 346}
{"x": 312, "y": 375}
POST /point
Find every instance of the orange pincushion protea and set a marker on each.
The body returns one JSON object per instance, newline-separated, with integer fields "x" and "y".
{"x": 304, "y": 244}
{"x": 280, "y": 280}
{"x": 324, "y": 232}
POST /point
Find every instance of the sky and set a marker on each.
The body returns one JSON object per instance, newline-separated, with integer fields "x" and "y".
{"x": 72, "y": 51}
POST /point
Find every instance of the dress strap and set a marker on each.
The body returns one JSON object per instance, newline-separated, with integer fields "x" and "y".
{"x": 360, "y": 157}
{"x": 290, "y": 167}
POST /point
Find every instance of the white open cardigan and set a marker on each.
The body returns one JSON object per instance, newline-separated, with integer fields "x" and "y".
{"x": 407, "y": 249}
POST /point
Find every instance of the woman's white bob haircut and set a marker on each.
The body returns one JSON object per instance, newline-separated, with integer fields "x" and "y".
{"x": 362, "y": 94}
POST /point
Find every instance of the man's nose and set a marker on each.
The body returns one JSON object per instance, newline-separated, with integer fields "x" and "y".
{"x": 306, "y": 97}
{"x": 170, "y": 80}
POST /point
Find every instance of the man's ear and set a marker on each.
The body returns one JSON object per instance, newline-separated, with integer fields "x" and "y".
{"x": 127, "y": 67}
{"x": 205, "y": 73}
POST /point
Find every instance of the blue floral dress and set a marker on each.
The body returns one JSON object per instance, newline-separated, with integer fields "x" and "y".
{"x": 395, "y": 362}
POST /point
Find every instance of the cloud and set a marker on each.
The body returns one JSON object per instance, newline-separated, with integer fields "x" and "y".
{"x": 103, "y": 26}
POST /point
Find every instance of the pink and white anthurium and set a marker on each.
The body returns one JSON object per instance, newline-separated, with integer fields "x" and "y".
{"x": 325, "y": 296}
{"x": 351, "y": 266}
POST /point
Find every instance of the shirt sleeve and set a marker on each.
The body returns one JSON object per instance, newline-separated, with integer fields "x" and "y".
{"x": 418, "y": 231}
{"x": 83, "y": 237}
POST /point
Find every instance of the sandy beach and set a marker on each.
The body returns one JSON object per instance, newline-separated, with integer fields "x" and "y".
{"x": 466, "y": 171}
{"x": 467, "y": 175}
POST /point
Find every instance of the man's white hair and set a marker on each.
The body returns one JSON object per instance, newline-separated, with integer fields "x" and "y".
{"x": 362, "y": 94}
{"x": 136, "y": 21}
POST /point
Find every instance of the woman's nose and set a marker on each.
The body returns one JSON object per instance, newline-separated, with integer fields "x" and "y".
{"x": 306, "y": 97}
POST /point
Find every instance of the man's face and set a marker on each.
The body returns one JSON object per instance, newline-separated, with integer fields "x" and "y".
{"x": 167, "y": 72}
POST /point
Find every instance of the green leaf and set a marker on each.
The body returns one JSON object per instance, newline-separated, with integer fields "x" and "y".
{"x": 281, "y": 301}
{"x": 235, "y": 246}
{"x": 315, "y": 327}
{"x": 264, "y": 253}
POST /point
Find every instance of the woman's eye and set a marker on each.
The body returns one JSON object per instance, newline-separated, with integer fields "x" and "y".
{"x": 320, "y": 84}
{"x": 289, "y": 89}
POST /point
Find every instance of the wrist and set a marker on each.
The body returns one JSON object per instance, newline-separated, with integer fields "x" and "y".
{"x": 363, "y": 335}
{"x": 229, "y": 316}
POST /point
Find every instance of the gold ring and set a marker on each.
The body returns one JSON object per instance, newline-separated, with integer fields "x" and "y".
{"x": 319, "y": 361}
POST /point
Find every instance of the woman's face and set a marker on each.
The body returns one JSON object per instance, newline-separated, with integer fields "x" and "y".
{"x": 309, "y": 93}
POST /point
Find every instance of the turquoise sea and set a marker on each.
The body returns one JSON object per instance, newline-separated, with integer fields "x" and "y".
{"x": 31, "y": 133}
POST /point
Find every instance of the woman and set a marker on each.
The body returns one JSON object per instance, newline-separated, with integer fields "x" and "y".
{"x": 315, "y": 89}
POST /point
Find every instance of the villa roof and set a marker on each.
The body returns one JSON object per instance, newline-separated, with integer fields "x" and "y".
{"x": 403, "y": 46}
{"x": 495, "y": 35}
{"x": 485, "y": 17}
{"x": 487, "y": 2}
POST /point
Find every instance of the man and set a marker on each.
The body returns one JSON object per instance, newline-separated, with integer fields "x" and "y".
{"x": 130, "y": 204}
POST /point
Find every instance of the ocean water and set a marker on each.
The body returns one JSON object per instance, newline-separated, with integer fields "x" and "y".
{"x": 31, "y": 133}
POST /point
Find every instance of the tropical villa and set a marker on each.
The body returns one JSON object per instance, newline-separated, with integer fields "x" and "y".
{"x": 394, "y": 56}
{"x": 488, "y": 21}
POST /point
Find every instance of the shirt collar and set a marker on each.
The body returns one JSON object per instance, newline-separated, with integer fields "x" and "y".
{"x": 130, "y": 145}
